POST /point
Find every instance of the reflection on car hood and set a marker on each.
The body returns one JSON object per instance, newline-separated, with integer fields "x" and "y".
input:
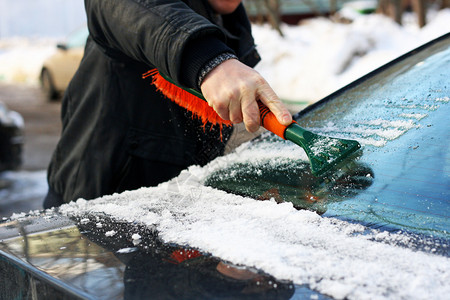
{"x": 105, "y": 259}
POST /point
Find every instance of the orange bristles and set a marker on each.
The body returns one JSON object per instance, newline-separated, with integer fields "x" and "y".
{"x": 194, "y": 104}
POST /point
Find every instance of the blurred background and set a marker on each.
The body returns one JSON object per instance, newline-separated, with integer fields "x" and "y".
{"x": 38, "y": 18}
{"x": 310, "y": 48}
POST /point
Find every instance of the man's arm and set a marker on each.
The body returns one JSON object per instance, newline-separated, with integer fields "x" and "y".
{"x": 153, "y": 32}
{"x": 157, "y": 33}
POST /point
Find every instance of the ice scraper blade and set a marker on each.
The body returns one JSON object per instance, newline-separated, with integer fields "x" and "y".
{"x": 326, "y": 155}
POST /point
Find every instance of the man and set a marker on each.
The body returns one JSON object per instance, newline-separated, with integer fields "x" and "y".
{"x": 119, "y": 133}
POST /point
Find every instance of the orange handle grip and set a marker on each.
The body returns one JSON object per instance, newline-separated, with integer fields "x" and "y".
{"x": 270, "y": 122}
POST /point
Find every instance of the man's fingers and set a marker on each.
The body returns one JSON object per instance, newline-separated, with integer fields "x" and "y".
{"x": 235, "y": 112}
{"x": 275, "y": 105}
{"x": 219, "y": 105}
{"x": 250, "y": 112}
{"x": 222, "y": 110}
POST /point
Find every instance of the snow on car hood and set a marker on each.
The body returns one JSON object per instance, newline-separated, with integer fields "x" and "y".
{"x": 334, "y": 257}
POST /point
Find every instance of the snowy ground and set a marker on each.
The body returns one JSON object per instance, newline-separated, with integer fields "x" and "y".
{"x": 312, "y": 61}
{"x": 317, "y": 58}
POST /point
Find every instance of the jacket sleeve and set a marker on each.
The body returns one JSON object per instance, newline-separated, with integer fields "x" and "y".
{"x": 154, "y": 32}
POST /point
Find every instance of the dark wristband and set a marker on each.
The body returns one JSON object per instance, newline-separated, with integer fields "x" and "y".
{"x": 212, "y": 64}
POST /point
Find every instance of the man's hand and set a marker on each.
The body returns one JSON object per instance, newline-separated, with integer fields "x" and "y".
{"x": 232, "y": 90}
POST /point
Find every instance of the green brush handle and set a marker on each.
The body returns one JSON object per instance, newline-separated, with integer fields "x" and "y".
{"x": 296, "y": 134}
{"x": 293, "y": 132}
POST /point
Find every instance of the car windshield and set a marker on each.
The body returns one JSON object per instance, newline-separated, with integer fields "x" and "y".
{"x": 401, "y": 182}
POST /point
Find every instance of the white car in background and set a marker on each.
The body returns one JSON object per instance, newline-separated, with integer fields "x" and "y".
{"x": 59, "y": 68}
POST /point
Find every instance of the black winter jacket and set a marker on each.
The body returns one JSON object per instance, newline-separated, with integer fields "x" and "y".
{"x": 119, "y": 133}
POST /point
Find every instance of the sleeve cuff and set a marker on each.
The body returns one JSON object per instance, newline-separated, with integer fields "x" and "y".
{"x": 212, "y": 64}
{"x": 197, "y": 55}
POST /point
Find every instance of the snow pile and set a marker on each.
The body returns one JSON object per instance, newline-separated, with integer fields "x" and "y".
{"x": 334, "y": 257}
{"x": 320, "y": 56}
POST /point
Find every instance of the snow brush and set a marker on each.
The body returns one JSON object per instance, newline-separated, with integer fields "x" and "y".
{"x": 326, "y": 155}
